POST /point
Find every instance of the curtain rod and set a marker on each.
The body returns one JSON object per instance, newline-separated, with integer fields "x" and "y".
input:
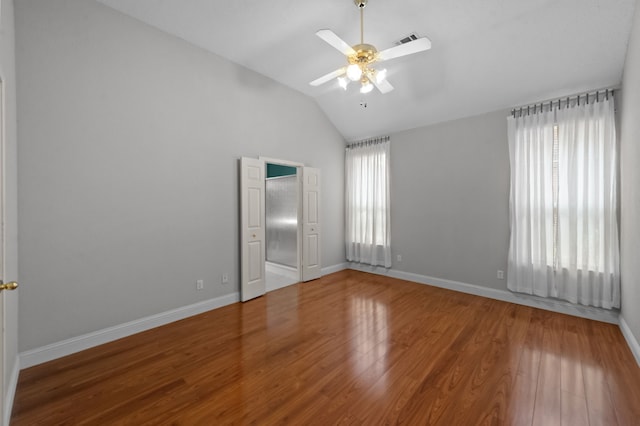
{"x": 370, "y": 141}
{"x": 559, "y": 102}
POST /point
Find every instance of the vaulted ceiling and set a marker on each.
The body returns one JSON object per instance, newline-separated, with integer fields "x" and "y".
{"x": 486, "y": 54}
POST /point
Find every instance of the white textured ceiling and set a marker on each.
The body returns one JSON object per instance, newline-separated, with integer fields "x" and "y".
{"x": 486, "y": 54}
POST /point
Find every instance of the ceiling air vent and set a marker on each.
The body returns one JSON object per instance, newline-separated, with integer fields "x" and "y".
{"x": 407, "y": 39}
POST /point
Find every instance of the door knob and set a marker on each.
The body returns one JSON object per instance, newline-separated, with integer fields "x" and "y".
{"x": 8, "y": 286}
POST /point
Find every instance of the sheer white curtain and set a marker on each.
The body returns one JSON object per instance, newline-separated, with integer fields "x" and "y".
{"x": 367, "y": 202}
{"x": 564, "y": 231}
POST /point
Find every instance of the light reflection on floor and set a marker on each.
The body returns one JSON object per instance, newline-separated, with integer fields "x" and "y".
{"x": 370, "y": 339}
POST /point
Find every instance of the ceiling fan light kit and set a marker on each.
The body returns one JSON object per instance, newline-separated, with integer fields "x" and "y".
{"x": 366, "y": 86}
{"x": 362, "y": 56}
{"x": 354, "y": 72}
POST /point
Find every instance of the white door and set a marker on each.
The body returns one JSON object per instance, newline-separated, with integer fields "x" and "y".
{"x": 252, "y": 283}
{"x": 2, "y": 341}
{"x": 311, "y": 262}
{"x": 3, "y": 286}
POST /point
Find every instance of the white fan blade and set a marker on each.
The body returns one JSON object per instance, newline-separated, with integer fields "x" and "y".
{"x": 415, "y": 46}
{"x": 327, "y": 77}
{"x": 384, "y": 86}
{"x": 335, "y": 41}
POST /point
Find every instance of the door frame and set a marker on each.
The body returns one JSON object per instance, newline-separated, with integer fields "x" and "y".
{"x": 304, "y": 272}
{"x": 299, "y": 169}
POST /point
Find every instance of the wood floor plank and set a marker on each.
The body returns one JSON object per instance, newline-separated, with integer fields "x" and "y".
{"x": 596, "y": 389}
{"x": 547, "y": 411}
{"x": 349, "y": 348}
{"x": 617, "y": 360}
{"x": 497, "y": 371}
{"x": 521, "y": 401}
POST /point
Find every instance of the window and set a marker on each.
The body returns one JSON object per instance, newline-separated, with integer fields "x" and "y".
{"x": 367, "y": 202}
{"x": 564, "y": 237}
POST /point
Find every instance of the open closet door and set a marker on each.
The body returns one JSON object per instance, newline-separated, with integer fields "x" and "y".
{"x": 310, "y": 224}
{"x": 252, "y": 191}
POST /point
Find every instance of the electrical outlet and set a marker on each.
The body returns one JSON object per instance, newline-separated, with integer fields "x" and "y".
{"x": 199, "y": 284}
{"x": 399, "y": 257}
{"x": 225, "y": 278}
{"x": 500, "y": 275}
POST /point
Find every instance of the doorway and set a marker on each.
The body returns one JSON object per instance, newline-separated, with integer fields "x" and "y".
{"x": 253, "y": 229}
{"x": 282, "y": 219}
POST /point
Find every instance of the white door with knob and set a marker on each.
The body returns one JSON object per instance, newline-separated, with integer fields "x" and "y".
{"x": 2, "y": 339}
{"x": 4, "y": 410}
{"x": 311, "y": 247}
{"x": 252, "y": 228}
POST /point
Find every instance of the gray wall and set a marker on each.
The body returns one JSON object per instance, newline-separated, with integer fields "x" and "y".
{"x": 128, "y": 167}
{"x": 630, "y": 182}
{"x": 450, "y": 200}
{"x": 7, "y": 72}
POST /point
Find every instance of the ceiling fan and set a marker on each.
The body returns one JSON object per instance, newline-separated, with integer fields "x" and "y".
{"x": 362, "y": 56}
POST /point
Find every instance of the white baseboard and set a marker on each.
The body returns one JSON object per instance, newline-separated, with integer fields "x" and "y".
{"x": 76, "y": 344}
{"x": 631, "y": 339}
{"x": 603, "y": 315}
{"x": 334, "y": 268}
{"x": 66, "y": 347}
{"x": 11, "y": 391}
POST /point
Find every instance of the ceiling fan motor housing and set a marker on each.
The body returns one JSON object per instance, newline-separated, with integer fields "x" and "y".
{"x": 365, "y": 54}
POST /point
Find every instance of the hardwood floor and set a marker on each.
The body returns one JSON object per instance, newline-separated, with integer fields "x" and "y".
{"x": 350, "y": 348}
